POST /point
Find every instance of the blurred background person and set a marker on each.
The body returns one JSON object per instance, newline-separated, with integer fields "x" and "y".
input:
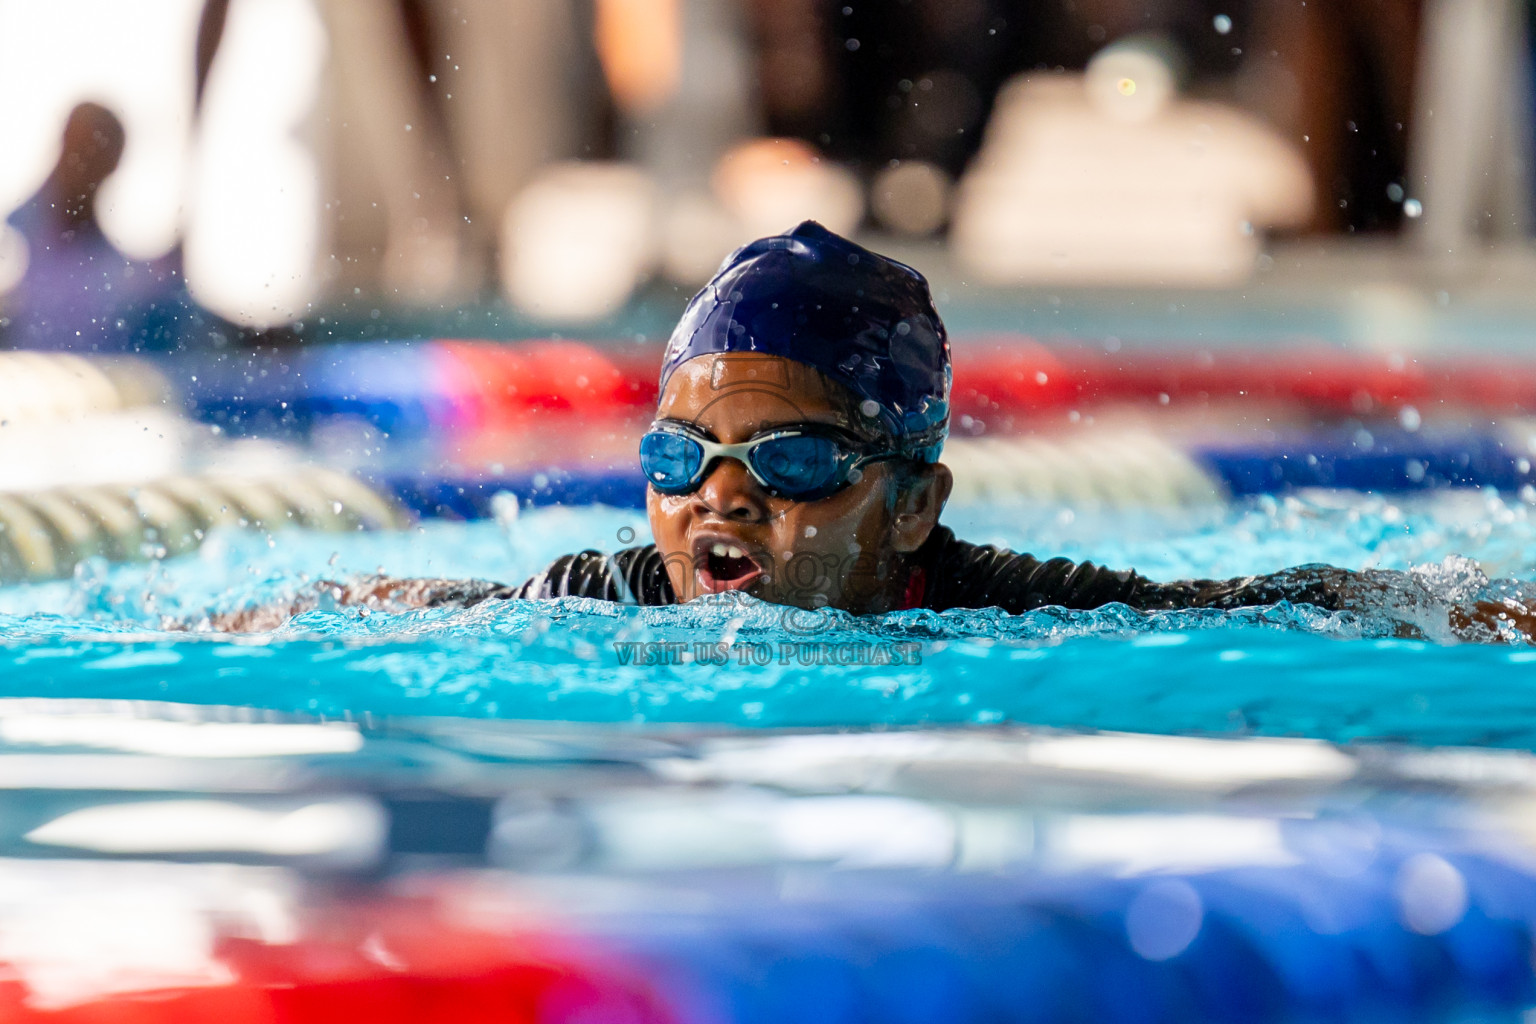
{"x": 78, "y": 291}
{"x": 555, "y": 159}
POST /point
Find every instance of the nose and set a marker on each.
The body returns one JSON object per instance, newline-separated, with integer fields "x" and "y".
{"x": 728, "y": 490}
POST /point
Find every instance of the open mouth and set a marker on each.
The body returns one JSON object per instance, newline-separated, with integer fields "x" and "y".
{"x": 721, "y": 565}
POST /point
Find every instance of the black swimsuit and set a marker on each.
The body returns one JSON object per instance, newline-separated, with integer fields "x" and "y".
{"x": 955, "y": 575}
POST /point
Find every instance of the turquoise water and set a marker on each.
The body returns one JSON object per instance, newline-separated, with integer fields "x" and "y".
{"x": 121, "y": 633}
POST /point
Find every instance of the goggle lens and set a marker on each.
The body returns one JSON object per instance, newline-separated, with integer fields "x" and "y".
{"x": 802, "y": 467}
{"x": 673, "y": 463}
{"x": 796, "y": 466}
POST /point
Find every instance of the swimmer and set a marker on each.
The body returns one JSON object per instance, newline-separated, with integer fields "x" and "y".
{"x": 794, "y": 457}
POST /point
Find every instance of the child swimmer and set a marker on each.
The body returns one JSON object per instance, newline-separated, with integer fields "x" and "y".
{"x": 794, "y": 457}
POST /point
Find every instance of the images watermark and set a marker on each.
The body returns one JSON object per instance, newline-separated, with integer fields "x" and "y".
{"x": 806, "y": 653}
{"x": 797, "y": 642}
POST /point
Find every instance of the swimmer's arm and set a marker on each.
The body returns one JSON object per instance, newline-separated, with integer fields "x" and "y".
{"x": 376, "y": 593}
{"x": 1384, "y": 594}
{"x": 1492, "y": 621}
{"x": 584, "y": 574}
{"x": 1322, "y": 586}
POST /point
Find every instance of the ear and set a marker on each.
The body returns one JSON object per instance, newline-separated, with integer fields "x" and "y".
{"x": 918, "y": 507}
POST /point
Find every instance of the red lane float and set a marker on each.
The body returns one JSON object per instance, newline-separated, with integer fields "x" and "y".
{"x": 383, "y": 962}
{"x": 503, "y": 385}
{"x": 1018, "y": 376}
{"x": 466, "y": 391}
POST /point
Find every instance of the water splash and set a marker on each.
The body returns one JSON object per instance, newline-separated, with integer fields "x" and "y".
{"x": 1285, "y": 670}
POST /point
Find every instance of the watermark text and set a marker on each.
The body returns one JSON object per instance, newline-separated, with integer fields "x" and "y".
{"x": 799, "y": 652}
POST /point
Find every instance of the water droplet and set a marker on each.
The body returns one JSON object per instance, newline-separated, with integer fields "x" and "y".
{"x": 1412, "y": 208}
{"x": 1222, "y": 24}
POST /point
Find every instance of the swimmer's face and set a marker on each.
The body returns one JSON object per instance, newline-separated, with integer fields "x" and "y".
{"x": 843, "y": 551}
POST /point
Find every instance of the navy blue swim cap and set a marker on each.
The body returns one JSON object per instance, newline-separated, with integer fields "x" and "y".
{"x": 865, "y": 321}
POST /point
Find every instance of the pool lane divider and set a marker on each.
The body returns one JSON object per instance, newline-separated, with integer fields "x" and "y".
{"x": 51, "y": 386}
{"x": 457, "y": 391}
{"x": 1406, "y": 928}
{"x": 1102, "y": 469}
{"x": 557, "y": 876}
{"x": 1383, "y": 461}
{"x": 418, "y": 389}
{"x": 411, "y": 390}
{"x": 45, "y": 534}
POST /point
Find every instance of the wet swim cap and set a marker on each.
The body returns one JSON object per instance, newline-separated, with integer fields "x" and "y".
{"x": 861, "y": 319}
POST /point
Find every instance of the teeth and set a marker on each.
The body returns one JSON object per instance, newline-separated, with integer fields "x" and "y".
{"x": 735, "y": 552}
{"x": 718, "y": 550}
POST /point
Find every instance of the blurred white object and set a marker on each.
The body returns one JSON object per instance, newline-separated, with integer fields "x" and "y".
{"x": 697, "y": 234}
{"x": 51, "y": 386}
{"x": 1139, "y": 844}
{"x": 1470, "y": 151}
{"x": 168, "y": 738}
{"x": 770, "y": 185}
{"x": 759, "y": 187}
{"x": 117, "y": 447}
{"x": 912, "y": 198}
{"x": 578, "y": 240}
{"x": 347, "y": 830}
{"x": 1108, "y": 469}
{"x": 13, "y": 257}
{"x": 253, "y": 232}
{"x": 381, "y": 118}
{"x": 1107, "y": 178}
{"x": 65, "y": 419}
{"x": 74, "y": 932}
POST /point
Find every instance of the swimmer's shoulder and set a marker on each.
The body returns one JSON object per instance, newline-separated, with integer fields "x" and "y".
{"x": 635, "y": 575}
{"x": 962, "y": 575}
{"x": 959, "y": 574}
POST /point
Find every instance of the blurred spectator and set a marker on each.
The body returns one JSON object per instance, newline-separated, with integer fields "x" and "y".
{"x": 426, "y": 151}
{"x": 77, "y": 290}
{"x": 1110, "y": 178}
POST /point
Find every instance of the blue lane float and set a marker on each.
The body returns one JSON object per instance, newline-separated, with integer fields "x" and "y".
{"x": 1416, "y": 935}
{"x": 915, "y": 878}
{"x": 399, "y": 389}
{"x": 1391, "y": 463}
{"x": 473, "y": 498}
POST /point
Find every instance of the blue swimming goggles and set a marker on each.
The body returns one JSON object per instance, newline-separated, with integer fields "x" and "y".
{"x": 804, "y": 462}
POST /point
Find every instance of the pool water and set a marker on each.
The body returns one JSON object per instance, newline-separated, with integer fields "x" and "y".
{"x": 119, "y": 632}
